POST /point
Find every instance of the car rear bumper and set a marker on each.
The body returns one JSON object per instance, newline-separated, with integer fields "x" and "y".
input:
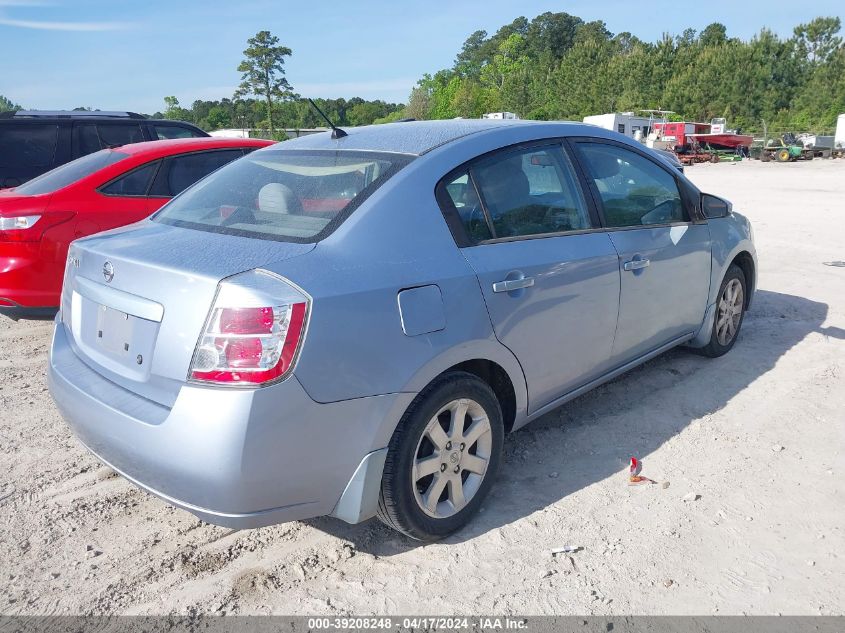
{"x": 16, "y": 311}
{"x": 233, "y": 457}
{"x": 29, "y": 281}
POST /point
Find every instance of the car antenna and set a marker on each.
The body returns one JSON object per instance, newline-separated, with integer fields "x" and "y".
{"x": 336, "y": 131}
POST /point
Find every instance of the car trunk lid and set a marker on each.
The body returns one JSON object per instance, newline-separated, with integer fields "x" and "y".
{"x": 136, "y": 299}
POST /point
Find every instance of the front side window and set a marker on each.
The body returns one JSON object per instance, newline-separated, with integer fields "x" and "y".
{"x": 634, "y": 190}
{"x": 28, "y": 145}
{"x": 285, "y": 195}
{"x": 135, "y": 183}
{"x": 530, "y": 192}
{"x": 69, "y": 173}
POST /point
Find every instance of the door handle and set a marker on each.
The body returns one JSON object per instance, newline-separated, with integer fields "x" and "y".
{"x": 636, "y": 264}
{"x": 508, "y": 285}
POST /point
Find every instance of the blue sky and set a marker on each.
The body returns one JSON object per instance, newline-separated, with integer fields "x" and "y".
{"x": 60, "y": 54}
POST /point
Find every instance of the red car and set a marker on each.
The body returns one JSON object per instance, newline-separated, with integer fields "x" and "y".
{"x": 104, "y": 190}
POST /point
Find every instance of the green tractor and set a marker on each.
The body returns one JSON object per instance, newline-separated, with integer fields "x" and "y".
{"x": 785, "y": 149}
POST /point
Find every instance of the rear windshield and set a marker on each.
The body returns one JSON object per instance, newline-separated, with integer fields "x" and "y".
{"x": 69, "y": 173}
{"x": 291, "y": 196}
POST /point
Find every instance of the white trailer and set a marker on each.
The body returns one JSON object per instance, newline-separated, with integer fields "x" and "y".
{"x": 839, "y": 135}
{"x": 626, "y": 123}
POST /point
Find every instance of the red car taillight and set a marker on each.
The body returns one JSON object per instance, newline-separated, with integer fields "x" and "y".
{"x": 30, "y": 227}
{"x": 249, "y": 346}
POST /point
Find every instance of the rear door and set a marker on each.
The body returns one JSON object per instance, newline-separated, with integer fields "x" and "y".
{"x": 118, "y": 202}
{"x": 664, "y": 251}
{"x": 548, "y": 273}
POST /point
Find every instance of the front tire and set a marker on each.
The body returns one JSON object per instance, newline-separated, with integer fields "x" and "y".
{"x": 730, "y": 311}
{"x": 442, "y": 458}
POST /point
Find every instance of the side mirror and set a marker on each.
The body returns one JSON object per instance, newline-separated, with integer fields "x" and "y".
{"x": 714, "y": 207}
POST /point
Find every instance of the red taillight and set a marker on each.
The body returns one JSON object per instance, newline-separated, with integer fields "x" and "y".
{"x": 29, "y": 227}
{"x": 246, "y": 320}
{"x": 249, "y": 346}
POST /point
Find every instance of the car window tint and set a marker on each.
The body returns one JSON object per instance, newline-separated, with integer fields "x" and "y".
{"x": 92, "y": 137}
{"x": 86, "y": 139}
{"x": 28, "y": 145}
{"x": 531, "y": 192}
{"x": 69, "y": 173}
{"x": 135, "y": 183}
{"x": 112, "y": 135}
{"x": 634, "y": 190}
{"x": 465, "y": 200}
{"x": 173, "y": 131}
{"x": 183, "y": 171}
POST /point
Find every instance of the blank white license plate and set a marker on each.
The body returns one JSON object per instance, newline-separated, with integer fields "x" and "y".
{"x": 114, "y": 330}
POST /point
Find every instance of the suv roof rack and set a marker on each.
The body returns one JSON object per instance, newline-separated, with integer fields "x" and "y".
{"x": 73, "y": 114}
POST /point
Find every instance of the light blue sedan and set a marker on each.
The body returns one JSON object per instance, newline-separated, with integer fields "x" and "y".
{"x": 350, "y": 325}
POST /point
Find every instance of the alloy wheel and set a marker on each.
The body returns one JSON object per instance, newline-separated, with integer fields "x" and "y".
{"x": 730, "y": 312}
{"x": 452, "y": 458}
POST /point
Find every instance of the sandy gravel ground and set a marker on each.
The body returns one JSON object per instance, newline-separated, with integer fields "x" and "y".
{"x": 755, "y": 437}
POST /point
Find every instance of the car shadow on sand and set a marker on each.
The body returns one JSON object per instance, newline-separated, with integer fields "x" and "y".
{"x": 592, "y": 437}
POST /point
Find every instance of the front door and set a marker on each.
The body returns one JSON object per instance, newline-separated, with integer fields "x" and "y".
{"x": 664, "y": 256}
{"x": 549, "y": 278}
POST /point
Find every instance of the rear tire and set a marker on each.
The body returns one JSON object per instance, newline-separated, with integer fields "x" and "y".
{"x": 442, "y": 458}
{"x": 730, "y": 311}
{"x": 783, "y": 156}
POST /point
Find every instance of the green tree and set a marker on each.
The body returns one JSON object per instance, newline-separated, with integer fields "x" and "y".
{"x": 714, "y": 34}
{"x": 819, "y": 38}
{"x": 6, "y": 105}
{"x": 263, "y": 72}
{"x": 419, "y": 102}
{"x": 174, "y": 112}
{"x": 218, "y": 118}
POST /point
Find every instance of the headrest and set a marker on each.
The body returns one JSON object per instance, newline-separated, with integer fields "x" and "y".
{"x": 602, "y": 165}
{"x": 505, "y": 177}
{"x": 275, "y": 197}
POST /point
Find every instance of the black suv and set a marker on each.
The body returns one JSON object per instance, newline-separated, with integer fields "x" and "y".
{"x": 33, "y": 142}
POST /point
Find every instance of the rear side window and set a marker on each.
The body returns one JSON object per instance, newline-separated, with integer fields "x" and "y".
{"x": 634, "y": 190}
{"x": 285, "y": 195}
{"x": 528, "y": 192}
{"x": 92, "y": 137}
{"x": 28, "y": 145}
{"x": 135, "y": 183}
{"x": 70, "y": 172}
{"x": 180, "y": 172}
{"x": 174, "y": 131}
{"x": 464, "y": 199}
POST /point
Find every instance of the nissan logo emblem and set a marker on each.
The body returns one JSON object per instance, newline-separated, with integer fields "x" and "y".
{"x": 108, "y": 272}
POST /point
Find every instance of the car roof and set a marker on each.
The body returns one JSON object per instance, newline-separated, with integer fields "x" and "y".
{"x": 167, "y": 147}
{"x": 34, "y": 117}
{"x": 419, "y": 137}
